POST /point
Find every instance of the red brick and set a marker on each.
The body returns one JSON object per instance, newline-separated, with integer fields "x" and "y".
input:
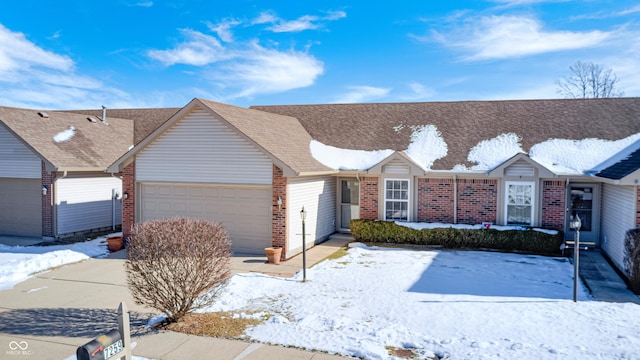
{"x": 128, "y": 204}
{"x": 435, "y": 200}
{"x": 477, "y": 201}
{"x": 47, "y": 203}
{"x": 553, "y": 204}
{"x": 279, "y": 214}
{"x": 369, "y": 198}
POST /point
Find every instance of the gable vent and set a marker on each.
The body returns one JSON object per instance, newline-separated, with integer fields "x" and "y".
{"x": 520, "y": 168}
{"x": 43, "y": 114}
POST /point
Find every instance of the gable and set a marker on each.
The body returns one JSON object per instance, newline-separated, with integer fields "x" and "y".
{"x": 16, "y": 159}
{"x": 202, "y": 148}
{"x": 520, "y": 168}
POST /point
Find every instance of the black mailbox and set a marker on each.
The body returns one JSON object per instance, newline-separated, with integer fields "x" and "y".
{"x": 101, "y": 348}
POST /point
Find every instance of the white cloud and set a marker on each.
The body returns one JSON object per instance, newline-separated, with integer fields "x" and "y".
{"x": 199, "y": 49}
{"x": 16, "y": 52}
{"x": 417, "y": 92}
{"x": 510, "y": 3}
{"x": 359, "y": 94}
{"x": 262, "y": 70}
{"x": 499, "y": 37}
{"x": 305, "y": 22}
{"x": 223, "y": 29}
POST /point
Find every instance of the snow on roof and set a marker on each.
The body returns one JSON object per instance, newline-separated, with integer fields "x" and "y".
{"x": 427, "y": 146}
{"x": 561, "y": 156}
{"x": 65, "y": 135}
{"x": 346, "y": 159}
{"x": 577, "y": 156}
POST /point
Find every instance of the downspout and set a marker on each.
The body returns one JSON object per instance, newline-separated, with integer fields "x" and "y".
{"x": 55, "y": 208}
{"x": 114, "y": 198}
{"x": 566, "y": 207}
{"x": 455, "y": 198}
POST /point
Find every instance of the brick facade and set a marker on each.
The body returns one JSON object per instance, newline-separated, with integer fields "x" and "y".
{"x": 369, "y": 198}
{"x": 279, "y": 213}
{"x": 477, "y": 201}
{"x": 435, "y": 200}
{"x": 553, "y": 204}
{"x": 47, "y": 203}
{"x": 128, "y": 204}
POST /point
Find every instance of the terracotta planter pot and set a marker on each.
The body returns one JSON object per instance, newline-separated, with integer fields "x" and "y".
{"x": 273, "y": 255}
{"x": 114, "y": 243}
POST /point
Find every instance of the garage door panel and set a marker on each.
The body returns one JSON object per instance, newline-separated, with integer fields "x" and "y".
{"x": 21, "y": 210}
{"x": 244, "y": 212}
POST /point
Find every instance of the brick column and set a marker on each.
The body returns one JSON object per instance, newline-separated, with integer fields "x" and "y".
{"x": 279, "y": 214}
{"x": 435, "y": 200}
{"x": 553, "y": 204}
{"x": 47, "y": 203}
{"x": 128, "y": 204}
{"x": 477, "y": 201}
{"x": 638, "y": 206}
{"x": 369, "y": 198}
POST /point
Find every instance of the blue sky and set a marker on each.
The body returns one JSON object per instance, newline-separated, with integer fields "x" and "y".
{"x": 155, "y": 53}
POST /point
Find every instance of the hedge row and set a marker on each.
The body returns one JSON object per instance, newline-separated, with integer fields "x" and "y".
{"x": 531, "y": 241}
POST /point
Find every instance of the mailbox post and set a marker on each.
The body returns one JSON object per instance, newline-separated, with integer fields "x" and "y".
{"x": 116, "y": 342}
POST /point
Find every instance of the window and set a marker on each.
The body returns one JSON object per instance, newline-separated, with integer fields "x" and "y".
{"x": 396, "y": 200}
{"x": 519, "y": 203}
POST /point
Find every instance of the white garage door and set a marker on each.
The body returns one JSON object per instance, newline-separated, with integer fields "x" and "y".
{"x": 244, "y": 211}
{"x": 20, "y": 212}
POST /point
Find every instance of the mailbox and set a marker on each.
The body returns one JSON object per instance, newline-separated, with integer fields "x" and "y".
{"x": 101, "y": 348}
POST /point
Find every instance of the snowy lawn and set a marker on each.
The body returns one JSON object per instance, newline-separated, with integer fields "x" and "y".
{"x": 452, "y": 304}
{"x": 18, "y": 263}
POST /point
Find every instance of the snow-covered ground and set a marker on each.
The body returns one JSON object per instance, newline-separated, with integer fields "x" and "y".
{"x": 453, "y": 304}
{"x": 18, "y": 263}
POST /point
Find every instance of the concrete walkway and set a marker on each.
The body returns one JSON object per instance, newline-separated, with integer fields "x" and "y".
{"x": 53, "y": 313}
{"x": 601, "y": 279}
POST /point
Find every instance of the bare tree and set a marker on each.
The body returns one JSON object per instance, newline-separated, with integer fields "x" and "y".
{"x": 175, "y": 265}
{"x": 589, "y": 80}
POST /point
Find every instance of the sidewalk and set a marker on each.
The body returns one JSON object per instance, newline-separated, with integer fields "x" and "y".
{"x": 57, "y": 311}
{"x": 601, "y": 279}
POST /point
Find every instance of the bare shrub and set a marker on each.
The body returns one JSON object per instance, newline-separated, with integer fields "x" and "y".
{"x": 632, "y": 259}
{"x": 174, "y": 265}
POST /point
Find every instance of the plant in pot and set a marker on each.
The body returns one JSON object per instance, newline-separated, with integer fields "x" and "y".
{"x": 114, "y": 243}
{"x": 273, "y": 255}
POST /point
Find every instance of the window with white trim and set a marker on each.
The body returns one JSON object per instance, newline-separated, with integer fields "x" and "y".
{"x": 396, "y": 199}
{"x": 519, "y": 202}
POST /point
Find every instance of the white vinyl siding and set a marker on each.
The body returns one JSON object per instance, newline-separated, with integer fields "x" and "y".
{"x": 202, "y": 148}
{"x": 618, "y": 216}
{"x": 519, "y": 202}
{"x": 244, "y": 211}
{"x": 318, "y": 196}
{"x": 16, "y": 159}
{"x": 86, "y": 203}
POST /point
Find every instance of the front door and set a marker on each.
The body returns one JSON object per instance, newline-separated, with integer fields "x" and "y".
{"x": 584, "y": 201}
{"x": 349, "y": 202}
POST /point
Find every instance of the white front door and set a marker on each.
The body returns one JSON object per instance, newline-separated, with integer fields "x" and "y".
{"x": 584, "y": 201}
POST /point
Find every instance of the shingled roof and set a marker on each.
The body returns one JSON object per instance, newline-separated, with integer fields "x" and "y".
{"x": 464, "y": 124}
{"x": 281, "y": 137}
{"x": 93, "y": 147}
{"x": 623, "y": 164}
{"x": 145, "y": 120}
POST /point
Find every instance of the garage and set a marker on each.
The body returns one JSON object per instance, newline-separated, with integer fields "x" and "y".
{"x": 245, "y": 211}
{"x": 20, "y": 213}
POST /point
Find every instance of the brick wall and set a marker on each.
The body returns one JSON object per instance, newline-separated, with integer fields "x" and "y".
{"x": 553, "y": 204}
{"x": 47, "y": 203}
{"x": 128, "y": 204}
{"x": 435, "y": 200}
{"x": 279, "y": 215}
{"x": 477, "y": 201}
{"x": 369, "y": 198}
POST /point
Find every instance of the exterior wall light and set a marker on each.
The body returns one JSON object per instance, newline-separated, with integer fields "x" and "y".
{"x": 279, "y": 202}
{"x": 45, "y": 189}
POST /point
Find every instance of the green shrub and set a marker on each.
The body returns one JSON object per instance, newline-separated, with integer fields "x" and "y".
{"x": 530, "y": 241}
{"x": 632, "y": 259}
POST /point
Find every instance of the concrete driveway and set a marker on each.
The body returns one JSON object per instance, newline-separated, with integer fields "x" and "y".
{"x": 51, "y": 314}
